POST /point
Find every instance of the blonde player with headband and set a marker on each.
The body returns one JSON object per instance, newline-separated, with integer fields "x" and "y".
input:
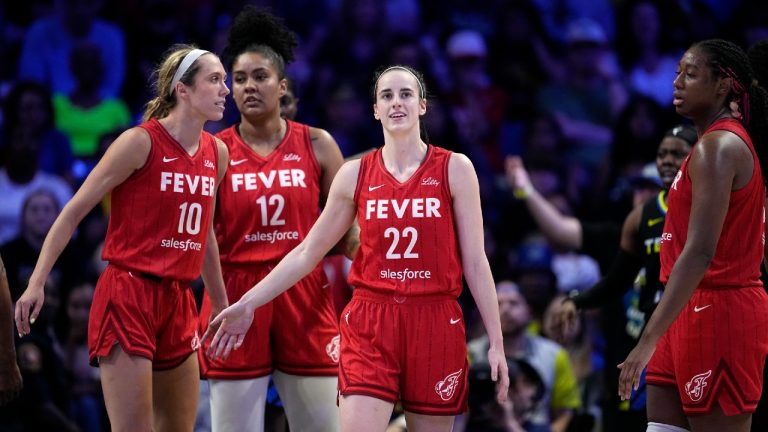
{"x": 402, "y": 334}
{"x": 163, "y": 177}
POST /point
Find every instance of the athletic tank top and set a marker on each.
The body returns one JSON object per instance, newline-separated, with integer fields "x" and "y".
{"x": 162, "y": 213}
{"x": 408, "y": 242}
{"x": 739, "y": 250}
{"x": 650, "y": 230}
{"x": 266, "y": 205}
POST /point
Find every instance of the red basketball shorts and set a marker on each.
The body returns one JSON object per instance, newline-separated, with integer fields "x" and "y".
{"x": 411, "y": 349}
{"x": 296, "y": 333}
{"x": 715, "y": 350}
{"x": 146, "y": 316}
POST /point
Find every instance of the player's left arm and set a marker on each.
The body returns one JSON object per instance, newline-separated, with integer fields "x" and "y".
{"x": 329, "y": 158}
{"x": 211, "y": 271}
{"x": 465, "y": 192}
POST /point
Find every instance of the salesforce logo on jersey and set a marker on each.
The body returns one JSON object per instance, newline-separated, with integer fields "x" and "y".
{"x": 406, "y": 274}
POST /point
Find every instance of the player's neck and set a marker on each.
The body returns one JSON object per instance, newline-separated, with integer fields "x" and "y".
{"x": 263, "y": 136}
{"x": 403, "y": 158}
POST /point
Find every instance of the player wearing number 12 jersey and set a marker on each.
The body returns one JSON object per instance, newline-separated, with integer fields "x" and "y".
{"x": 279, "y": 175}
{"x": 402, "y": 334}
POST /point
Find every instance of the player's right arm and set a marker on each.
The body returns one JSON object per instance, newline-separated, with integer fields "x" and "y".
{"x": 127, "y": 154}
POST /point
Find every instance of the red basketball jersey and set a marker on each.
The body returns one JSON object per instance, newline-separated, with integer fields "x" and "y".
{"x": 161, "y": 214}
{"x": 740, "y": 248}
{"x": 408, "y": 243}
{"x": 267, "y": 204}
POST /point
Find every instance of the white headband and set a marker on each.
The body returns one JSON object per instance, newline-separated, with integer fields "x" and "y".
{"x": 421, "y": 89}
{"x": 185, "y": 64}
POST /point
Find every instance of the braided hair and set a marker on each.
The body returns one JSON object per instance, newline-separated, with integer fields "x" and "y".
{"x": 727, "y": 59}
{"x": 256, "y": 30}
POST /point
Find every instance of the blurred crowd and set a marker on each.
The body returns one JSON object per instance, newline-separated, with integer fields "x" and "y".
{"x": 581, "y": 90}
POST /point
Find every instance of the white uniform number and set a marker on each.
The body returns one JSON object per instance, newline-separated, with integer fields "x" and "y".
{"x": 189, "y": 220}
{"x": 395, "y": 234}
{"x": 274, "y": 205}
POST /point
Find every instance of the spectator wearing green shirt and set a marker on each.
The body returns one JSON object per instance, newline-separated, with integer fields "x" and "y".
{"x": 84, "y": 115}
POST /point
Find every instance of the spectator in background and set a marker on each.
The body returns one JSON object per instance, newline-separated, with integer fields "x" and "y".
{"x": 587, "y": 102}
{"x": 644, "y": 53}
{"x": 87, "y": 403}
{"x": 20, "y": 176}
{"x": 45, "y": 54}
{"x": 84, "y": 114}
{"x": 38, "y": 212}
{"x": 561, "y": 394}
{"x": 29, "y": 120}
{"x": 44, "y": 403}
{"x": 478, "y": 106}
{"x": 526, "y": 389}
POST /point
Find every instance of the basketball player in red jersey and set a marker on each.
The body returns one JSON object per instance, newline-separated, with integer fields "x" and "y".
{"x": 279, "y": 175}
{"x": 402, "y": 335}
{"x": 163, "y": 177}
{"x": 706, "y": 341}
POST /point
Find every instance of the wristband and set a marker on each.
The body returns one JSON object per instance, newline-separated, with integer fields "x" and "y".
{"x": 522, "y": 193}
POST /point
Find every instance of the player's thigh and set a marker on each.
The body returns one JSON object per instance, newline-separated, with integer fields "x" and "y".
{"x": 309, "y": 401}
{"x": 175, "y": 394}
{"x": 428, "y": 423}
{"x": 717, "y": 421}
{"x": 127, "y": 385}
{"x": 664, "y": 406}
{"x": 238, "y": 405}
{"x": 364, "y": 413}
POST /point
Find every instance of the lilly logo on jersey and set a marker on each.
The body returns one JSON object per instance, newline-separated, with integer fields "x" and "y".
{"x": 696, "y": 386}
{"x": 446, "y": 387}
{"x": 291, "y": 157}
{"x": 429, "y": 181}
{"x": 334, "y": 348}
{"x": 208, "y": 164}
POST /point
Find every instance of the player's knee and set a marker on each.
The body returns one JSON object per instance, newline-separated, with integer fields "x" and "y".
{"x": 660, "y": 427}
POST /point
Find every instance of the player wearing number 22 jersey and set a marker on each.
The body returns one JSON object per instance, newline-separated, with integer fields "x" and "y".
{"x": 155, "y": 242}
{"x": 407, "y": 275}
{"x": 266, "y": 206}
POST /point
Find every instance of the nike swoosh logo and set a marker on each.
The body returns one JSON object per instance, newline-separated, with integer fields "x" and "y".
{"x": 656, "y": 221}
{"x": 237, "y": 162}
{"x": 454, "y": 321}
{"x": 167, "y": 159}
{"x": 373, "y": 188}
{"x": 699, "y": 309}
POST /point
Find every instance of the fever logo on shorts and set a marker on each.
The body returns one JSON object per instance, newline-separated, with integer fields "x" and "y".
{"x": 195, "y": 341}
{"x": 446, "y": 387}
{"x": 333, "y": 348}
{"x": 695, "y": 387}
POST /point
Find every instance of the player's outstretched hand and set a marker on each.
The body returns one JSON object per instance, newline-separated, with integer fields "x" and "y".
{"x": 28, "y": 308}
{"x": 632, "y": 368}
{"x": 230, "y": 327}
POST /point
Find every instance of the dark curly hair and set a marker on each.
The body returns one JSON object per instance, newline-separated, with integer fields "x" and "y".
{"x": 257, "y": 30}
{"x": 728, "y": 59}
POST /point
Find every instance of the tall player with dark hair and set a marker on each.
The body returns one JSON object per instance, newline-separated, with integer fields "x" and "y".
{"x": 706, "y": 340}
{"x": 402, "y": 334}
{"x": 163, "y": 177}
{"x": 278, "y": 178}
